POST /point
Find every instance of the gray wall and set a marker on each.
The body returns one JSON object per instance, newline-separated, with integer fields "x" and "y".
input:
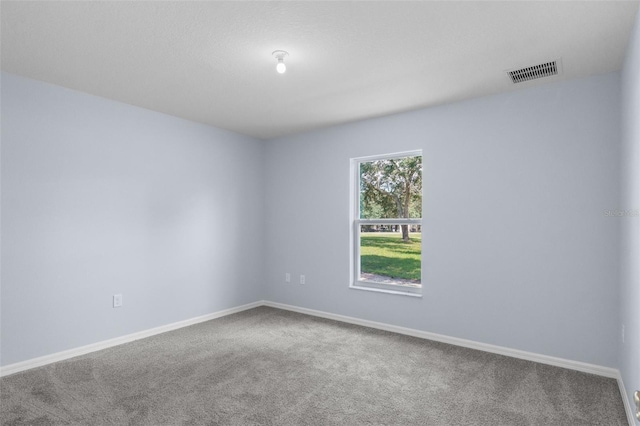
{"x": 630, "y": 283}
{"x": 99, "y": 198}
{"x": 517, "y": 250}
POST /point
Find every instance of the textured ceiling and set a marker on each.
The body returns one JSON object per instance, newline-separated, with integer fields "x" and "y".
{"x": 211, "y": 61}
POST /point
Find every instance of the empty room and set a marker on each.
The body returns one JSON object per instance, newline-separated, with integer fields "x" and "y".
{"x": 320, "y": 213}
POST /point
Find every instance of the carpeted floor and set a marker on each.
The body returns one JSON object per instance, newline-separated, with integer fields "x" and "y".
{"x": 271, "y": 367}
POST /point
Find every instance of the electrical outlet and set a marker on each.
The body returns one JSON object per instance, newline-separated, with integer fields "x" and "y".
{"x": 117, "y": 300}
{"x": 302, "y": 279}
{"x": 287, "y": 277}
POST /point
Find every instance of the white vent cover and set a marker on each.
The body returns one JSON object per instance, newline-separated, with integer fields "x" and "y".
{"x": 536, "y": 71}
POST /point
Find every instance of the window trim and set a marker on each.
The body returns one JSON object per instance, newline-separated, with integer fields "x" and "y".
{"x": 355, "y": 282}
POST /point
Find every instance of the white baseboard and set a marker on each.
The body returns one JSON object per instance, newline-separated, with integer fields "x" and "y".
{"x": 501, "y": 350}
{"x": 543, "y": 359}
{"x": 625, "y": 400}
{"x": 82, "y": 350}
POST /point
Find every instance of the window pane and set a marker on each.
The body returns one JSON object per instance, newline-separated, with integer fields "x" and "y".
{"x": 391, "y": 254}
{"x": 391, "y": 188}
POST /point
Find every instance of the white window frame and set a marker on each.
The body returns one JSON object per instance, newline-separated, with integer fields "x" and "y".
{"x": 356, "y": 282}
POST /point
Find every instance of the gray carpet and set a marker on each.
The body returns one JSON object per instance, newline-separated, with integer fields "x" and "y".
{"x": 271, "y": 367}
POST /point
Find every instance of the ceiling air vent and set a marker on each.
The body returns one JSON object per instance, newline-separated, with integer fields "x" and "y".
{"x": 534, "y": 72}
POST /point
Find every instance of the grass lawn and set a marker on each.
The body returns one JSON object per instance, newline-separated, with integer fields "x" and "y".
{"x": 384, "y": 253}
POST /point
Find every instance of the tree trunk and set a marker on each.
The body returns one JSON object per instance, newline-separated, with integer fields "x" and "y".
{"x": 405, "y": 233}
{"x": 405, "y": 228}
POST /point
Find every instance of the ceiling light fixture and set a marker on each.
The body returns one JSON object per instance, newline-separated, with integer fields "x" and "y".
{"x": 280, "y": 55}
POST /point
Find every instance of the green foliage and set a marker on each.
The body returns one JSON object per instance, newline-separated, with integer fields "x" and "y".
{"x": 391, "y": 188}
{"x": 385, "y": 253}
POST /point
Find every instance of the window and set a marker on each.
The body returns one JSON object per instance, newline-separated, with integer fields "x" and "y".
{"x": 387, "y": 223}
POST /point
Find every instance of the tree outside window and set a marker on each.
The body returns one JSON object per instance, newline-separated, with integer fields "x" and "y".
{"x": 388, "y": 222}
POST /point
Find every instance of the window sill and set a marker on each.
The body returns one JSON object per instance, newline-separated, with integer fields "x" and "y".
{"x": 381, "y": 290}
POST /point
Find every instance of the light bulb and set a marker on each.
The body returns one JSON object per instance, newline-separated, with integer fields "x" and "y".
{"x": 280, "y": 55}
